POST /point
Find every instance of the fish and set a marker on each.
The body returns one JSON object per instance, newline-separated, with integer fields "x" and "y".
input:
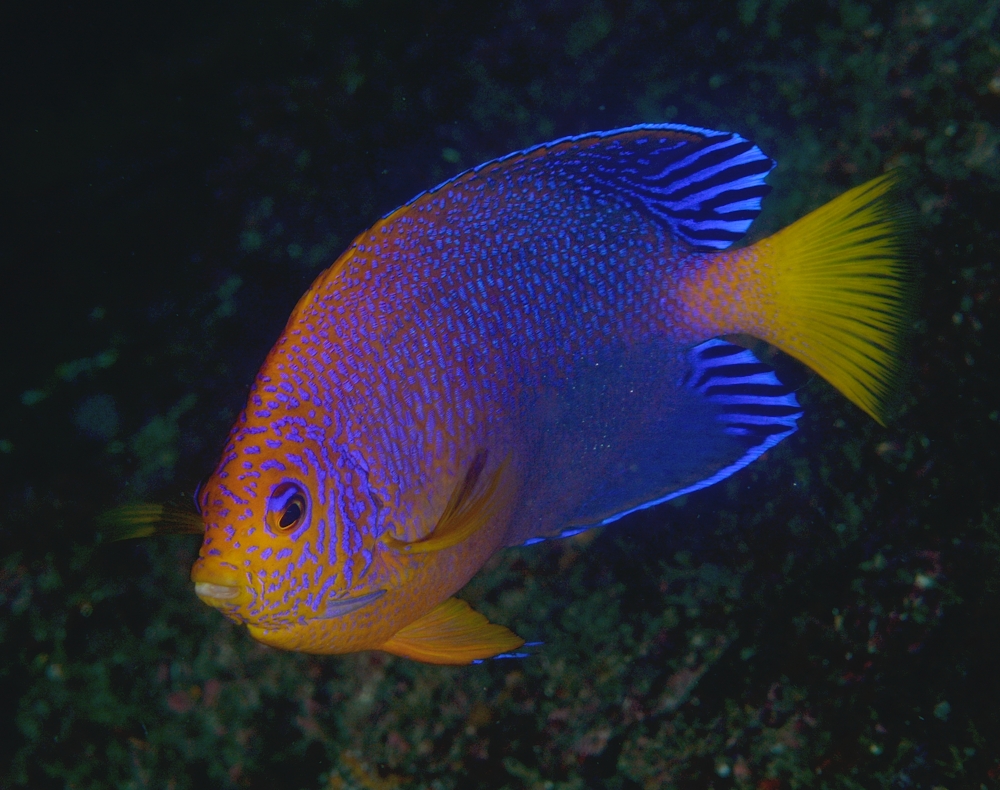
{"x": 538, "y": 346}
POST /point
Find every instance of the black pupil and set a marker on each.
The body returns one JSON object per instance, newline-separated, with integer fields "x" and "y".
{"x": 293, "y": 512}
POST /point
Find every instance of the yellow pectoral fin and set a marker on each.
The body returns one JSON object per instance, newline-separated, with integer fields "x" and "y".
{"x": 142, "y": 521}
{"x": 452, "y": 633}
{"x": 464, "y": 515}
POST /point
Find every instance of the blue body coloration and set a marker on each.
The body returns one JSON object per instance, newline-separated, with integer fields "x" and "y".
{"x": 530, "y": 302}
{"x": 533, "y": 319}
{"x": 706, "y": 190}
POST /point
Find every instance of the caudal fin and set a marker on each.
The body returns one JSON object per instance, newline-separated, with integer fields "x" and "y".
{"x": 842, "y": 291}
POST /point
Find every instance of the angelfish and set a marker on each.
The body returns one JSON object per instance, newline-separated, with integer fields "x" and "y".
{"x": 535, "y": 347}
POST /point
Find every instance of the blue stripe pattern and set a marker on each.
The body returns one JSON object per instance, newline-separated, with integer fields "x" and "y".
{"x": 705, "y": 186}
{"x": 755, "y": 404}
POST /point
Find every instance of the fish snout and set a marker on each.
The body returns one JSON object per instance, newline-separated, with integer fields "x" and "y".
{"x": 220, "y": 588}
{"x": 217, "y": 594}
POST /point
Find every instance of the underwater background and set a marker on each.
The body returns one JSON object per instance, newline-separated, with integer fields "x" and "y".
{"x": 175, "y": 176}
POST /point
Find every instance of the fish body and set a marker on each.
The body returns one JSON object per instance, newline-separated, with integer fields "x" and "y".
{"x": 528, "y": 350}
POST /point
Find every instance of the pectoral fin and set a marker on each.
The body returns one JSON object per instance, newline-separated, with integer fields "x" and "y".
{"x": 142, "y": 521}
{"x": 464, "y": 515}
{"x": 452, "y": 633}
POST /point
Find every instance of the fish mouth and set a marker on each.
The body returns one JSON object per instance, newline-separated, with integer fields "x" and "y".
{"x": 217, "y": 594}
{"x": 340, "y": 607}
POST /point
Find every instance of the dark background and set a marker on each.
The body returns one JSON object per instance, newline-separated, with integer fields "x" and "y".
{"x": 175, "y": 175}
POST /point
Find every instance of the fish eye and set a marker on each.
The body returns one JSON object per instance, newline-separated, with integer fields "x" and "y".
{"x": 286, "y": 509}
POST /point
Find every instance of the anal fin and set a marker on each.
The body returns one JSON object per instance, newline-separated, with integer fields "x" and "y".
{"x": 705, "y": 413}
{"x": 754, "y": 408}
{"x": 452, "y": 633}
{"x": 752, "y": 402}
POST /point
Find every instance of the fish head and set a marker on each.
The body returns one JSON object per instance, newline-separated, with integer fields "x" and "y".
{"x": 290, "y": 531}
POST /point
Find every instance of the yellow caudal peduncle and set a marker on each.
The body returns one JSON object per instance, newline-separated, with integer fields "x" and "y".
{"x": 833, "y": 290}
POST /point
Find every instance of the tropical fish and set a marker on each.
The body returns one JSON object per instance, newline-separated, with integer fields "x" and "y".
{"x": 538, "y": 346}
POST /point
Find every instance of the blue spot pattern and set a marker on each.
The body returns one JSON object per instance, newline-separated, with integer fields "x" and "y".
{"x": 443, "y": 328}
{"x": 706, "y": 186}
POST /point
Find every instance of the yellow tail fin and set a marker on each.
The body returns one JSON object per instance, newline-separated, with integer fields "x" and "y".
{"x": 842, "y": 292}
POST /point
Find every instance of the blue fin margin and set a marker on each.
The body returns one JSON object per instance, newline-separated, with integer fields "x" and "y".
{"x": 706, "y": 189}
{"x": 756, "y": 407}
{"x": 505, "y": 656}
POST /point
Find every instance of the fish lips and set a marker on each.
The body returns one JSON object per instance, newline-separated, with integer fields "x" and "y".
{"x": 219, "y": 596}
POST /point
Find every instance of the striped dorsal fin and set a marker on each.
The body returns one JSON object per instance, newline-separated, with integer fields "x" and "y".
{"x": 704, "y": 186}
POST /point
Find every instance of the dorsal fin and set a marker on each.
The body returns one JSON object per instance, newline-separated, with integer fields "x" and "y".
{"x": 704, "y": 186}
{"x": 452, "y": 633}
{"x": 464, "y": 514}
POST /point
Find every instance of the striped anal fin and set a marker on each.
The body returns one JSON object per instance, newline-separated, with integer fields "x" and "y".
{"x": 753, "y": 404}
